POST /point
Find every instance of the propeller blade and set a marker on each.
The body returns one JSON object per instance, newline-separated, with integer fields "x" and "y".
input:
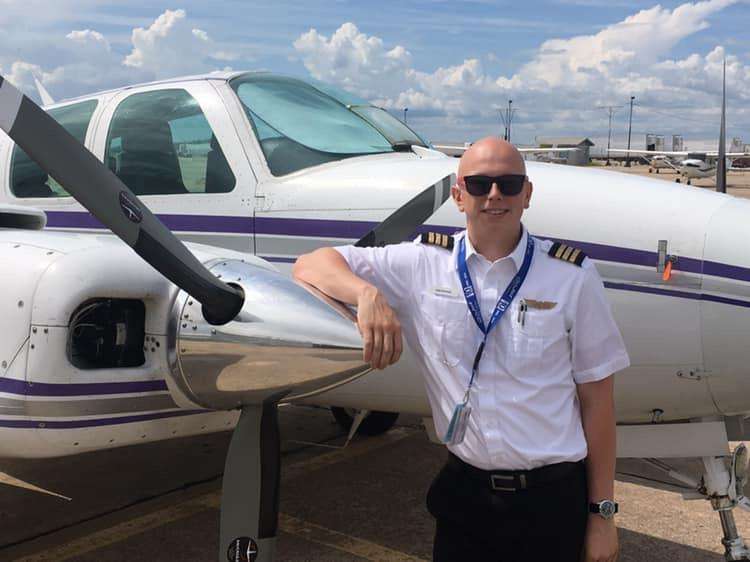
{"x": 100, "y": 191}
{"x": 721, "y": 163}
{"x": 407, "y": 218}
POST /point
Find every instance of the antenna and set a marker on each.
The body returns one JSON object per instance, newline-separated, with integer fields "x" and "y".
{"x": 721, "y": 164}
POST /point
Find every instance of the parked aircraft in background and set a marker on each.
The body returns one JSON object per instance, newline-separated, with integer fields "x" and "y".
{"x": 294, "y": 165}
{"x": 689, "y": 165}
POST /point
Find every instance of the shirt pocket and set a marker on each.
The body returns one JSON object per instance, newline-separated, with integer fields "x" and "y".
{"x": 443, "y": 331}
{"x": 530, "y": 338}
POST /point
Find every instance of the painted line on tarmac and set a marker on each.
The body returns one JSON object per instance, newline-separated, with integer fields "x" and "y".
{"x": 341, "y": 541}
{"x": 127, "y": 529}
{"x": 124, "y": 530}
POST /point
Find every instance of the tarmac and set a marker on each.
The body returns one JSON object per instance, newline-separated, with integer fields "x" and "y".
{"x": 160, "y": 502}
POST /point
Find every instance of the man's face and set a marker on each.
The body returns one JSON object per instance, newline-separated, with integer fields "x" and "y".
{"x": 494, "y": 211}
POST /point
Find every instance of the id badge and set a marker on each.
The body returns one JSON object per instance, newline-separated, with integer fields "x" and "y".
{"x": 458, "y": 424}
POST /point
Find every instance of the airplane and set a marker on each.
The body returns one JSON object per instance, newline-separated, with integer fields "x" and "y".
{"x": 278, "y": 166}
{"x": 689, "y": 165}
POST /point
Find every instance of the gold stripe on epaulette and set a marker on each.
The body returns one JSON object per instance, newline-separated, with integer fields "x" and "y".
{"x": 567, "y": 253}
{"x": 437, "y": 239}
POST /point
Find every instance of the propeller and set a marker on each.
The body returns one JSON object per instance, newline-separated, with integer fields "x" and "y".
{"x": 721, "y": 163}
{"x": 407, "y": 218}
{"x": 100, "y": 191}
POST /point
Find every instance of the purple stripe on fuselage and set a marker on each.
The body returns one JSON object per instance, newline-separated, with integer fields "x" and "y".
{"x": 675, "y": 293}
{"x": 181, "y": 223}
{"x": 13, "y": 386}
{"x": 44, "y": 424}
{"x": 324, "y": 228}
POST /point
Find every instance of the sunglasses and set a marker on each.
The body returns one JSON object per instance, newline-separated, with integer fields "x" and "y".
{"x": 510, "y": 184}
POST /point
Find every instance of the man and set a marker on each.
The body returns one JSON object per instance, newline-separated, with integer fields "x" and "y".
{"x": 538, "y": 385}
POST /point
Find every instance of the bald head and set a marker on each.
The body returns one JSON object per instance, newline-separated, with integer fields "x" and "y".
{"x": 491, "y": 156}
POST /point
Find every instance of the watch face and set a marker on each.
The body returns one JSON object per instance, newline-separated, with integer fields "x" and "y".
{"x": 607, "y": 509}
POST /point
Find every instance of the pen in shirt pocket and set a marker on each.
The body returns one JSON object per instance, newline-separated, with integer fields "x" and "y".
{"x": 522, "y": 312}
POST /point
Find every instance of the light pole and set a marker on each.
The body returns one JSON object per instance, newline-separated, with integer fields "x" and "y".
{"x": 611, "y": 110}
{"x": 630, "y": 129}
{"x": 510, "y": 116}
{"x": 405, "y": 110}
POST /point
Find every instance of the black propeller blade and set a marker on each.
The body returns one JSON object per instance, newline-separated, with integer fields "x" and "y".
{"x": 721, "y": 163}
{"x": 99, "y": 190}
{"x": 407, "y": 218}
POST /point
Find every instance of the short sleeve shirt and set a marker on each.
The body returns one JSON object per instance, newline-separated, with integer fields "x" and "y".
{"x": 525, "y": 410}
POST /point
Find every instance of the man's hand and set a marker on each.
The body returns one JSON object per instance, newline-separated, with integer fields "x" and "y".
{"x": 601, "y": 540}
{"x": 380, "y": 329}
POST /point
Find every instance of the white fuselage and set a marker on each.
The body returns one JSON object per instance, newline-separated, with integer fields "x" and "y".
{"x": 686, "y": 336}
{"x": 696, "y": 168}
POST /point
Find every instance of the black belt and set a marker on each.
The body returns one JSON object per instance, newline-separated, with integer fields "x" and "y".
{"x": 514, "y": 480}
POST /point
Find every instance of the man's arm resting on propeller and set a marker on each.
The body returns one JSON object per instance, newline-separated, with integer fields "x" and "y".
{"x": 598, "y": 418}
{"x": 327, "y": 270}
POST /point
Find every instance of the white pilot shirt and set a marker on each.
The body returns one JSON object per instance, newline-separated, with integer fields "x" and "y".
{"x": 525, "y": 410}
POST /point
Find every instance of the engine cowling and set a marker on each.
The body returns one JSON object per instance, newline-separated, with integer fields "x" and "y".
{"x": 287, "y": 342}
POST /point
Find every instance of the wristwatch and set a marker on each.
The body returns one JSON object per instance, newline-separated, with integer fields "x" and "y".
{"x": 604, "y": 508}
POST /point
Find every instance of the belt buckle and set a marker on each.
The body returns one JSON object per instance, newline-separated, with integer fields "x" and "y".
{"x": 503, "y": 479}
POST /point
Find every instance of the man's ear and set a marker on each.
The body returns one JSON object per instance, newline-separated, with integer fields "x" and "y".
{"x": 528, "y": 195}
{"x": 458, "y": 197}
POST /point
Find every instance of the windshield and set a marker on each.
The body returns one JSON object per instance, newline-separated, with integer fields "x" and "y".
{"x": 300, "y": 125}
{"x": 393, "y": 129}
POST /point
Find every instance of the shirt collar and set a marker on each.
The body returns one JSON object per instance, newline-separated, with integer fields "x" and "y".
{"x": 516, "y": 255}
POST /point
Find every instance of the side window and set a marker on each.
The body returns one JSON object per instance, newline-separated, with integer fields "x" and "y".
{"x": 161, "y": 143}
{"x": 29, "y": 180}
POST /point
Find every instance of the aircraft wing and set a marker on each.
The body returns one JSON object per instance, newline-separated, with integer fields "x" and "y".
{"x": 539, "y": 149}
{"x": 650, "y": 152}
{"x": 461, "y": 148}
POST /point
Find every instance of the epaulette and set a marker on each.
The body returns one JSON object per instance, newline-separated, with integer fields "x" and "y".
{"x": 567, "y": 253}
{"x": 437, "y": 239}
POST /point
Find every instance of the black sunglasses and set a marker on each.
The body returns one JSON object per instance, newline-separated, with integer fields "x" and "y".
{"x": 510, "y": 184}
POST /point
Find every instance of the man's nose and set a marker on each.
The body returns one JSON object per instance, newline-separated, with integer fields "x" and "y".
{"x": 495, "y": 192}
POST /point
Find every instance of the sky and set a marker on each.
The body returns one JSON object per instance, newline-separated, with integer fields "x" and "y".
{"x": 454, "y": 64}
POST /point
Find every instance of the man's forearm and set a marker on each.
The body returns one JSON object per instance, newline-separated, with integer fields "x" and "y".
{"x": 328, "y": 271}
{"x": 598, "y": 417}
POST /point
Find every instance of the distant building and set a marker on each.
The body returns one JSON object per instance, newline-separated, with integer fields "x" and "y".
{"x": 677, "y": 143}
{"x": 655, "y": 142}
{"x": 579, "y": 157}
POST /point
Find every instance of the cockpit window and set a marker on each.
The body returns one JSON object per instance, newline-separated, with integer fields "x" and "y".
{"x": 27, "y": 178}
{"x": 393, "y": 129}
{"x": 300, "y": 125}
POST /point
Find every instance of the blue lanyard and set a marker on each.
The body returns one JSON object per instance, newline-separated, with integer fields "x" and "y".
{"x": 502, "y": 304}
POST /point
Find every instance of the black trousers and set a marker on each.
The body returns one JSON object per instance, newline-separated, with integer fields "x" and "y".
{"x": 478, "y": 524}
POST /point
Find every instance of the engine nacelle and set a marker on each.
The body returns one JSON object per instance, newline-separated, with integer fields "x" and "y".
{"x": 286, "y": 343}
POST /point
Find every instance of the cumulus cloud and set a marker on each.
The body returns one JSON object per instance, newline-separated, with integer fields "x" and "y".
{"x": 355, "y": 61}
{"x": 170, "y": 47}
{"x": 626, "y": 58}
{"x": 85, "y": 60}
